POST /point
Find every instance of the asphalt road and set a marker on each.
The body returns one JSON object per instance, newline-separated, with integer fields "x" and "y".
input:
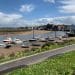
{"x": 25, "y": 61}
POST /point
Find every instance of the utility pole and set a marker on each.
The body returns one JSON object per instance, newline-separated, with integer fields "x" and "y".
{"x": 55, "y": 34}
{"x": 55, "y": 30}
{"x": 33, "y": 32}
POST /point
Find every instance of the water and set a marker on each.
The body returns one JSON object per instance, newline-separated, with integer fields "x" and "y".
{"x": 29, "y": 36}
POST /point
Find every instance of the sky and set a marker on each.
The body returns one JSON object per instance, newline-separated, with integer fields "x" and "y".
{"x": 17, "y": 13}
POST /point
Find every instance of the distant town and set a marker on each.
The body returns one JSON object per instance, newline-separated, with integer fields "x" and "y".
{"x": 70, "y": 29}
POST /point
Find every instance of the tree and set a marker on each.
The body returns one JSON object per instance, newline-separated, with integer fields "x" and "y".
{"x": 49, "y": 26}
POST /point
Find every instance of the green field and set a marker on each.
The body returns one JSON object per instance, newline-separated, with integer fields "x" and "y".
{"x": 58, "y": 65}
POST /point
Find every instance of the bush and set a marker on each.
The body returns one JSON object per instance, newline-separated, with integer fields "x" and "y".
{"x": 47, "y": 44}
{"x": 33, "y": 49}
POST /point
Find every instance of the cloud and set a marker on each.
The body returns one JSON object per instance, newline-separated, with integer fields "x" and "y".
{"x": 68, "y": 6}
{"x": 64, "y": 20}
{"x": 50, "y": 1}
{"x": 17, "y": 20}
{"x": 43, "y": 21}
{"x": 57, "y": 20}
{"x": 10, "y": 20}
{"x": 13, "y": 20}
{"x": 27, "y": 8}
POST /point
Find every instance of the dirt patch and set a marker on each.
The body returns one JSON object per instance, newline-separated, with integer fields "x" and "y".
{"x": 14, "y": 49}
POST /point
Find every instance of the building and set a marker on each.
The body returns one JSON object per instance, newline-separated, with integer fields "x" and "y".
{"x": 70, "y": 30}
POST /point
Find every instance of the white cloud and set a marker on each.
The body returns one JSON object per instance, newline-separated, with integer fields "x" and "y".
{"x": 50, "y": 1}
{"x": 16, "y": 20}
{"x": 57, "y": 20}
{"x": 43, "y": 21}
{"x": 13, "y": 20}
{"x": 27, "y": 8}
{"x": 68, "y": 6}
{"x": 9, "y": 19}
{"x": 64, "y": 20}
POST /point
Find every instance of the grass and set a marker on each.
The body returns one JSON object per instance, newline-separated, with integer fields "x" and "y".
{"x": 28, "y": 52}
{"x": 45, "y": 47}
{"x": 59, "y": 65}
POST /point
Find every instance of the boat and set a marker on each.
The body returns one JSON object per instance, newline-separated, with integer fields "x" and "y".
{"x": 31, "y": 40}
{"x": 7, "y": 46}
{"x": 2, "y": 45}
{"x": 70, "y": 33}
{"x": 17, "y": 41}
{"x": 42, "y": 39}
{"x": 25, "y": 44}
{"x": 8, "y": 40}
{"x": 36, "y": 44}
{"x": 51, "y": 39}
{"x": 37, "y": 37}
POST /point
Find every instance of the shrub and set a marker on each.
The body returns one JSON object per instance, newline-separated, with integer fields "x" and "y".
{"x": 33, "y": 49}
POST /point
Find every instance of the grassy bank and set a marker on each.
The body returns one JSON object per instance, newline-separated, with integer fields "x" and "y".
{"x": 19, "y": 54}
{"x": 45, "y": 47}
{"x": 60, "y": 65}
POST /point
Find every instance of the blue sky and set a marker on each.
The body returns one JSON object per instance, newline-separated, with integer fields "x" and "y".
{"x": 36, "y": 12}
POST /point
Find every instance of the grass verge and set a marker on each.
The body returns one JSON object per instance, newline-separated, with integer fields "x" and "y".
{"x": 59, "y": 65}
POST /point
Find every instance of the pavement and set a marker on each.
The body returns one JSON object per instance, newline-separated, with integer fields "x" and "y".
{"x": 33, "y": 59}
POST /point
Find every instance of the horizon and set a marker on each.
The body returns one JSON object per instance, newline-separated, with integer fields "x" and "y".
{"x": 21, "y": 13}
